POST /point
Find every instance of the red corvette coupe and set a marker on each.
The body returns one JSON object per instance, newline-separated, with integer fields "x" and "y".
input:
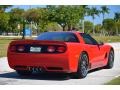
{"x": 65, "y": 52}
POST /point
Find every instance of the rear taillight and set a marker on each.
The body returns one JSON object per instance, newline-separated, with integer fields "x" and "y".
{"x": 51, "y": 49}
{"x": 61, "y": 49}
{"x": 12, "y": 48}
{"x": 20, "y": 48}
{"x": 56, "y": 49}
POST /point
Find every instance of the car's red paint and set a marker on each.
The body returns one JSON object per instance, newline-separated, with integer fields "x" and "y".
{"x": 58, "y": 62}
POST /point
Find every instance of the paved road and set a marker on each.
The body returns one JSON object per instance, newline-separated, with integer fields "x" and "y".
{"x": 96, "y": 77}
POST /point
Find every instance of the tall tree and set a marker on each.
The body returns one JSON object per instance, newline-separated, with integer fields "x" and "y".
{"x": 88, "y": 26}
{"x": 109, "y": 26}
{"x": 98, "y": 28}
{"x": 38, "y": 17}
{"x": 4, "y": 22}
{"x": 117, "y": 22}
{"x": 104, "y": 10}
{"x": 85, "y": 10}
{"x": 65, "y": 16}
{"x": 16, "y": 17}
{"x": 4, "y": 18}
{"x": 43, "y": 19}
{"x": 93, "y": 12}
{"x": 32, "y": 17}
{"x": 57, "y": 14}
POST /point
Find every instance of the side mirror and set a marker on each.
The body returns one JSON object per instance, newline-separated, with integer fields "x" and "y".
{"x": 100, "y": 43}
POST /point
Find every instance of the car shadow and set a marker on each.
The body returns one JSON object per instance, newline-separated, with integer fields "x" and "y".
{"x": 43, "y": 76}
{"x": 37, "y": 76}
{"x": 95, "y": 70}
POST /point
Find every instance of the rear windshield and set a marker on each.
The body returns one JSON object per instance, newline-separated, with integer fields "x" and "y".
{"x": 58, "y": 36}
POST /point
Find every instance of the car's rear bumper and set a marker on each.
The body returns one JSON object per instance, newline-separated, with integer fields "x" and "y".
{"x": 46, "y": 62}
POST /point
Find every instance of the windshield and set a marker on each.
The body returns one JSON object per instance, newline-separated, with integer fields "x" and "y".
{"x": 58, "y": 36}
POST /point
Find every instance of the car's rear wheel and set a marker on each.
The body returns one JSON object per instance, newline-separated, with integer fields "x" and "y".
{"x": 24, "y": 72}
{"x": 82, "y": 70}
{"x": 110, "y": 60}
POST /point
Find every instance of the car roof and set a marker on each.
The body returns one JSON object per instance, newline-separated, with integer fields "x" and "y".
{"x": 64, "y": 32}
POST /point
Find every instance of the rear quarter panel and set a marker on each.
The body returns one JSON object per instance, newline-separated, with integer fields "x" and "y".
{"x": 74, "y": 50}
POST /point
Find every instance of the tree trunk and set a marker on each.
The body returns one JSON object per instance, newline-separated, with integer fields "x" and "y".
{"x": 93, "y": 27}
{"x": 31, "y": 29}
{"x": 116, "y": 30}
{"x": 23, "y": 34}
{"x": 37, "y": 31}
{"x": 63, "y": 28}
{"x": 83, "y": 27}
{"x": 69, "y": 27}
{"x": 103, "y": 30}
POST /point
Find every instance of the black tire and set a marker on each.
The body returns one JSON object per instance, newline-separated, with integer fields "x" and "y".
{"x": 110, "y": 60}
{"x": 24, "y": 72}
{"x": 82, "y": 70}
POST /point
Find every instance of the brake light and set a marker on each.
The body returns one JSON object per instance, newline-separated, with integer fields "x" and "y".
{"x": 20, "y": 48}
{"x": 13, "y": 48}
{"x": 51, "y": 49}
{"x": 61, "y": 49}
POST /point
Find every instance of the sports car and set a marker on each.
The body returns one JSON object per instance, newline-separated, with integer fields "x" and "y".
{"x": 63, "y": 52}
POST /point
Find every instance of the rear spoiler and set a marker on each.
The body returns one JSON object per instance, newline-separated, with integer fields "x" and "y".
{"x": 41, "y": 42}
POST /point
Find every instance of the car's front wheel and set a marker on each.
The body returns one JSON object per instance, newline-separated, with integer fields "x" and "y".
{"x": 82, "y": 70}
{"x": 24, "y": 72}
{"x": 110, "y": 60}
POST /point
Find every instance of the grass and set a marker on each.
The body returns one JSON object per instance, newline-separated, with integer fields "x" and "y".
{"x": 3, "y": 47}
{"x": 4, "y": 42}
{"x": 115, "y": 81}
{"x": 108, "y": 39}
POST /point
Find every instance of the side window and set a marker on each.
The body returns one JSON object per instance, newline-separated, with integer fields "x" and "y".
{"x": 71, "y": 38}
{"x": 88, "y": 39}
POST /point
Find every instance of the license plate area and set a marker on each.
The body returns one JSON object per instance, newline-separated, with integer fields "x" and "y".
{"x": 35, "y": 49}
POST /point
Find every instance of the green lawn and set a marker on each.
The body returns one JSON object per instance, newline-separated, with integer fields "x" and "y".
{"x": 115, "y": 81}
{"x": 107, "y": 38}
{"x": 3, "y": 47}
{"x": 4, "y": 42}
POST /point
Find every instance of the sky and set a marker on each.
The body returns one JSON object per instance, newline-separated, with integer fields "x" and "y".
{"x": 98, "y": 19}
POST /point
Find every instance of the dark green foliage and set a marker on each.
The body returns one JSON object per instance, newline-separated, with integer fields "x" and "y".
{"x": 58, "y": 17}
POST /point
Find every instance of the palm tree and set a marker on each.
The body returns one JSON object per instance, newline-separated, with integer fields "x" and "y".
{"x": 104, "y": 10}
{"x": 84, "y": 13}
{"x": 93, "y": 12}
{"x": 117, "y": 21}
